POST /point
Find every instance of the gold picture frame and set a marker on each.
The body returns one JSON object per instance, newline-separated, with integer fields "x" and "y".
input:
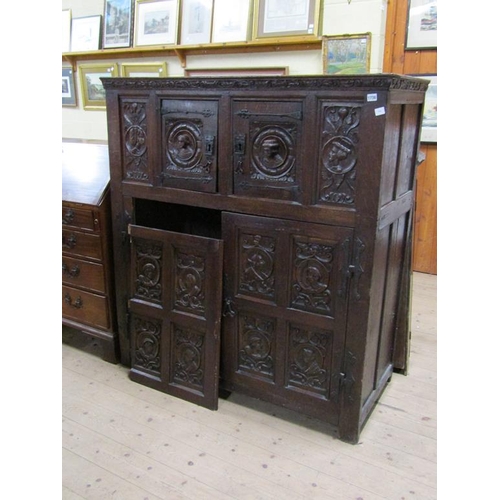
{"x": 92, "y": 90}
{"x": 144, "y": 70}
{"x": 274, "y": 19}
{"x": 346, "y": 54}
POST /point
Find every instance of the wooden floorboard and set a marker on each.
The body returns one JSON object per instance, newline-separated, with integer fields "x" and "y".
{"x": 123, "y": 440}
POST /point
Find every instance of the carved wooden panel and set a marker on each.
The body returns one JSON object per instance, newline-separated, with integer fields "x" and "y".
{"x": 267, "y": 143}
{"x": 147, "y": 344}
{"x": 338, "y": 154}
{"x": 177, "y": 286}
{"x": 134, "y": 140}
{"x": 189, "y": 144}
{"x": 256, "y": 345}
{"x": 309, "y": 359}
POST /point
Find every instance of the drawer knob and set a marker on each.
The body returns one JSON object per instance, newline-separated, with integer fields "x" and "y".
{"x": 68, "y": 216}
{"x": 73, "y": 272}
{"x": 69, "y": 242}
{"x": 77, "y": 304}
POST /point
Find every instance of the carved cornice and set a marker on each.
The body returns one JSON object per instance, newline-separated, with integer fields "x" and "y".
{"x": 322, "y": 82}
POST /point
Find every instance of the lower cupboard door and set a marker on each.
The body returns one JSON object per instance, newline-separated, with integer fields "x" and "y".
{"x": 174, "y": 304}
{"x": 285, "y": 304}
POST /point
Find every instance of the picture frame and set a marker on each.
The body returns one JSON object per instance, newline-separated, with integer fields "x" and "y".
{"x": 68, "y": 87}
{"x": 144, "y": 70}
{"x": 429, "y": 115}
{"x": 118, "y": 23}
{"x": 92, "y": 90}
{"x": 231, "y": 21}
{"x": 421, "y": 31}
{"x": 66, "y": 30}
{"x": 86, "y": 33}
{"x": 235, "y": 72}
{"x": 156, "y": 22}
{"x": 275, "y": 18}
{"x": 346, "y": 54}
{"x": 196, "y": 22}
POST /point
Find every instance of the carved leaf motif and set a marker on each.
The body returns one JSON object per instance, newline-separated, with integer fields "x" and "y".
{"x": 135, "y": 140}
{"x": 190, "y": 283}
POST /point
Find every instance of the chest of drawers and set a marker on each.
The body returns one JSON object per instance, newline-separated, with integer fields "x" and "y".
{"x": 88, "y": 310}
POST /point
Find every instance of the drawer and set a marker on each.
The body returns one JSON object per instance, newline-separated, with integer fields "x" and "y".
{"x": 85, "y": 307}
{"x": 80, "y": 273}
{"x": 83, "y": 244}
{"x": 80, "y": 218}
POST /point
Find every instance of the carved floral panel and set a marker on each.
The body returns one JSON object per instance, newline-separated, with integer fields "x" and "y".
{"x": 189, "y": 282}
{"x": 148, "y": 270}
{"x": 187, "y": 357}
{"x": 147, "y": 344}
{"x": 135, "y": 151}
{"x": 338, "y": 155}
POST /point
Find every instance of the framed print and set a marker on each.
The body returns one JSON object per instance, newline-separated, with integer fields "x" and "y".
{"x": 277, "y": 18}
{"x": 421, "y": 30}
{"x": 68, "y": 87}
{"x": 429, "y": 119}
{"x": 231, "y": 21}
{"x": 93, "y": 93}
{"x": 118, "y": 16}
{"x": 196, "y": 21}
{"x": 346, "y": 54}
{"x": 85, "y": 34}
{"x": 156, "y": 22}
{"x": 143, "y": 70}
{"x": 230, "y": 72}
{"x": 66, "y": 30}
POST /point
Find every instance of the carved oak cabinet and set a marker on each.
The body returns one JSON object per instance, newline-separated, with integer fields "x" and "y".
{"x": 262, "y": 236}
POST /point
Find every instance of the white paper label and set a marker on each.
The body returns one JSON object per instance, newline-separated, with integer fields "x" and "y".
{"x": 371, "y": 97}
{"x": 380, "y": 111}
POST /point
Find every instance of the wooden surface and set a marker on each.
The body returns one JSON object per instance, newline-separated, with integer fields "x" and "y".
{"x": 416, "y": 62}
{"x": 123, "y": 440}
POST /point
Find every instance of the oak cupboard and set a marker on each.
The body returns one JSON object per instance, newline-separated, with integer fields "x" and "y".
{"x": 262, "y": 236}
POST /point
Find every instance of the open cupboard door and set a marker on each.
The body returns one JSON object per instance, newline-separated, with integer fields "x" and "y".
{"x": 174, "y": 313}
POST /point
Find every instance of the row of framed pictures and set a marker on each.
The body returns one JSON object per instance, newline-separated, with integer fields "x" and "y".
{"x": 138, "y": 23}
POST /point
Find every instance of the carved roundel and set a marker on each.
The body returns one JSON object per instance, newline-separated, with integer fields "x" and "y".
{"x": 135, "y": 140}
{"x": 308, "y": 357}
{"x": 273, "y": 152}
{"x": 184, "y": 145}
{"x": 148, "y": 345}
{"x": 149, "y": 271}
{"x": 338, "y": 155}
{"x": 258, "y": 346}
{"x": 313, "y": 276}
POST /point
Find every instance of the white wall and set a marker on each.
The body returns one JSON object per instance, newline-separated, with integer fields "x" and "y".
{"x": 338, "y": 17}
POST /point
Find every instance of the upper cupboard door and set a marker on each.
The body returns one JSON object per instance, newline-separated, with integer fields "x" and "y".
{"x": 189, "y": 144}
{"x": 267, "y": 148}
{"x": 175, "y": 307}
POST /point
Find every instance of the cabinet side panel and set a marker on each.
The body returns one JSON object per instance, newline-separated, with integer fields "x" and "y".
{"x": 375, "y": 311}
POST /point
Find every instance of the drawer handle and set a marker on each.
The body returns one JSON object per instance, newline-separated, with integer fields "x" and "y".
{"x": 69, "y": 242}
{"x": 68, "y": 217}
{"x": 78, "y": 304}
{"x": 74, "y": 272}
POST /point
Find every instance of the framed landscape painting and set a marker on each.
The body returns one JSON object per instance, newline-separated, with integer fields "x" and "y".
{"x": 156, "y": 22}
{"x": 346, "y": 54}
{"x": 68, "y": 87}
{"x": 93, "y": 93}
{"x": 421, "y": 31}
